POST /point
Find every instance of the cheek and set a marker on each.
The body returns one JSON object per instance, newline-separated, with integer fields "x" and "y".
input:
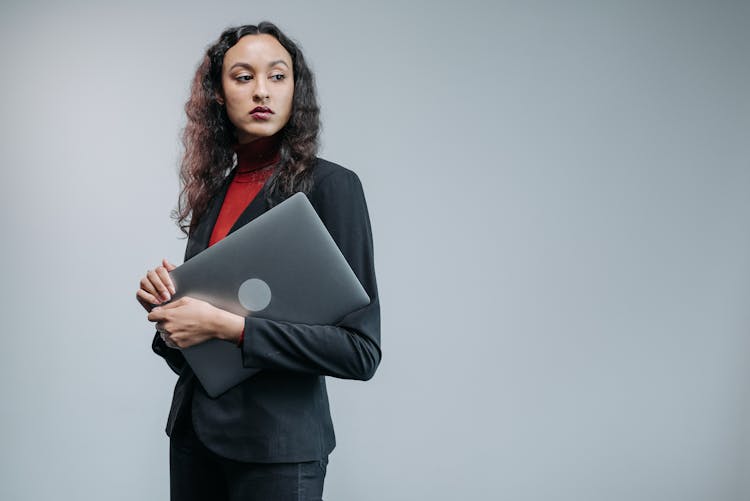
{"x": 233, "y": 112}
{"x": 237, "y": 110}
{"x": 289, "y": 100}
{"x": 234, "y": 96}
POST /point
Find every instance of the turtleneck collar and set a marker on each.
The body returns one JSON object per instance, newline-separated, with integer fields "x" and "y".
{"x": 257, "y": 154}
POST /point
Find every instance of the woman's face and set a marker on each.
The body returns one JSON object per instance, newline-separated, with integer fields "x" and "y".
{"x": 257, "y": 86}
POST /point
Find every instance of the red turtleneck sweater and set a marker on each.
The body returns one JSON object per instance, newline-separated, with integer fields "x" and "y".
{"x": 255, "y": 163}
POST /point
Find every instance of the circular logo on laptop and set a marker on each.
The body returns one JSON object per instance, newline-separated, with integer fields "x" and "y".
{"x": 254, "y": 294}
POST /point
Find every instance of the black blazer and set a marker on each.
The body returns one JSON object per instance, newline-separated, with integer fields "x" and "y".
{"x": 281, "y": 414}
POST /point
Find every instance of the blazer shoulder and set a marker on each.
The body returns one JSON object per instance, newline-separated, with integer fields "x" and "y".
{"x": 327, "y": 171}
{"x": 336, "y": 194}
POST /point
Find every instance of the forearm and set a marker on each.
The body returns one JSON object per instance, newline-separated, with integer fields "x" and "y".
{"x": 349, "y": 350}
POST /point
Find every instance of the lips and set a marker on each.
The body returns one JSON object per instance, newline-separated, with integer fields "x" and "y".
{"x": 261, "y": 109}
{"x": 261, "y": 113}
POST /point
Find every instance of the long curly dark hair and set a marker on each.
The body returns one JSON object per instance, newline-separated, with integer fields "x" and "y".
{"x": 209, "y": 135}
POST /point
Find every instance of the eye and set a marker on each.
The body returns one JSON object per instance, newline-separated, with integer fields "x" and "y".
{"x": 278, "y": 77}
{"x": 243, "y": 78}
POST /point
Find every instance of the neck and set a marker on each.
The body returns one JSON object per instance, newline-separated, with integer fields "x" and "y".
{"x": 257, "y": 154}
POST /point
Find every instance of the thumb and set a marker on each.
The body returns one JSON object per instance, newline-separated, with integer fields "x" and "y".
{"x": 169, "y": 266}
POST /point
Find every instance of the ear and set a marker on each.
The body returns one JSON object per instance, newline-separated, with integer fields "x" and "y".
{"x": 219, "y": 98}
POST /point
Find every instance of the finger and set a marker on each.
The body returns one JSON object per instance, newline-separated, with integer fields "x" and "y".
{"x": 167, "y": 340}
{"x": 180, "y": 341}
{"x": 169, "y": 267}
{"x": 147, "y": 300}
{"x": 156, "y": 281}
{"x": 166, "y": 280}
{"x": 157, "y": 315}
{"x": 145, "y": 304}
{"x": 160, "y": 312}
{"x": 148, "y": 287}
{"x": 173, "y": 304}
{"x": 147, "y": 296}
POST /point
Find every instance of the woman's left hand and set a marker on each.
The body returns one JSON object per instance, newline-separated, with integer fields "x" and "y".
{"x": 189, "y": 321}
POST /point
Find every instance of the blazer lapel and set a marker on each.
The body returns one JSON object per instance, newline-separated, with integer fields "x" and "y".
{"x": 199, "y": 237}
{"x": 255, "y": 208}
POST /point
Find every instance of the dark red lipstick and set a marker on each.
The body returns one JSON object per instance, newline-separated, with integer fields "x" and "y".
{"x": 261, "y": 112}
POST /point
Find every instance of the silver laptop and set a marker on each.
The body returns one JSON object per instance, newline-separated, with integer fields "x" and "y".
{"x": 283, "y": 265}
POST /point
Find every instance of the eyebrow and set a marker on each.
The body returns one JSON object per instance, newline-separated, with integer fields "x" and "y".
{"x": 249, "y": 67}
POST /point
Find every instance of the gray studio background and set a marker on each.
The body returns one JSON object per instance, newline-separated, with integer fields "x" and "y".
{"x": 560, "y": 202}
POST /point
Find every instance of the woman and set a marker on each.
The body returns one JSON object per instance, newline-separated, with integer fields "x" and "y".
{"x": 269, "y": 437}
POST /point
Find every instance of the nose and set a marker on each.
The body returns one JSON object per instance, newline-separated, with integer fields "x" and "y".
{"x": 260, "y": 93}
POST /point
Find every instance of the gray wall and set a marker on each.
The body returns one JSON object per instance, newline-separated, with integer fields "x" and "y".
{"x": 559, "y": 197}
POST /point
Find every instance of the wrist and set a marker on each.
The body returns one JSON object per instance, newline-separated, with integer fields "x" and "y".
{"x": 228, "y": 326}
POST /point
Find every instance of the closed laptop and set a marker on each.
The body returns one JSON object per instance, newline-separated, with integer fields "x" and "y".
{"x": 283, "y": 265}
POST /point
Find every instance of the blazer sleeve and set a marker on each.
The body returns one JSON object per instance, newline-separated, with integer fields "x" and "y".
{"x": 350, "y": 349}
{"x": 174, "y": 358}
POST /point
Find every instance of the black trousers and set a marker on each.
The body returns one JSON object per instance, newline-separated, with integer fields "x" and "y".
{"x": 197, "y": 474}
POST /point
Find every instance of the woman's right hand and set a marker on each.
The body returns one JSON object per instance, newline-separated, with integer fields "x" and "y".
{"x": 156, "y": 286}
